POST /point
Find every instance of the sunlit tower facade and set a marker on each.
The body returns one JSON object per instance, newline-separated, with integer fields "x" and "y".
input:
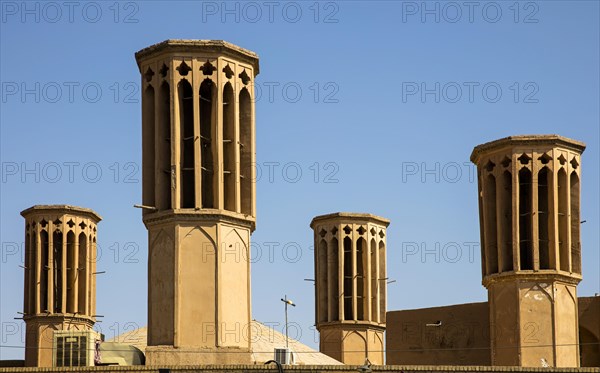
{"x": 60, "y": 277}
{"x": 351, "y": 280}
{"x": 198, "y": 152}
{"x": 529, "y": 211}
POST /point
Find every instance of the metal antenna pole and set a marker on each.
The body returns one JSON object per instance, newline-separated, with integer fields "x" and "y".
{"x": 287, "y": 302}
{"x": 286, "y": 323}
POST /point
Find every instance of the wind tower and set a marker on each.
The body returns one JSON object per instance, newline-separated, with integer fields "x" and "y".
{"x": 529, "y": 213}
{"x": 60, "y": 285}
{"x": 198, "y": 157}
{"x": 350, "y": 277}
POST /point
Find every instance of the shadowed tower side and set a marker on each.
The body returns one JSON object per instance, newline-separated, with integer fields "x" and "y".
{"x": 198, "y": 177}
{"x": 60, "y": 281}
{"x": 350, "y": 275}
{"x": 529, "y": 211}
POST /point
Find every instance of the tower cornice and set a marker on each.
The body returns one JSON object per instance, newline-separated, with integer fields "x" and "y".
{"x": 355, "y": 216}
{"x": 61, "y": 209}
{"x": 528, "y": 276}
{"x": 526, "y": 140}
{"x": 220, "y": 47}
{"x": 200, "y": 215}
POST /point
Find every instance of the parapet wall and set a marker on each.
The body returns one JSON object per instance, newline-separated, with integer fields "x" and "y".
{"x": 304, "y": 369}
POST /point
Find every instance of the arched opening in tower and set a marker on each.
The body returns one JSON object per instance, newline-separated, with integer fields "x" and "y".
{"x": 322, "y": 282}
{"x": 148, "y": 144}
{"x": 246, "y": 151}
{"x": 544, "y": 181}
{"x": 57, "y": 266}
{"x": 333, "y": 279}
{"x": 361, "y": 284}
{"x": 33, "y": 272}
{"x": 575, "y": 224}
{"x": 187, "y": 140}
{"x": 525, "y": 222}
{"x": 382, "y": 283}
{"x": 348, "y": 279}
{"x": 71, "y": 272}
{"x": 27, "y": 275}
{"x": 92, "y": 277}
{"x": 491, "y": 231}
{"x": 506, "y": 221}
{"x": 563, "y": 223}
{"x": 44, "y": 269}
{"x": 374, "y": 282}
{"x": 164, "y": 148}
{"x": 82, "y": 274}
{"x": 207, "y": 141}
{"x": 229, "y": 182}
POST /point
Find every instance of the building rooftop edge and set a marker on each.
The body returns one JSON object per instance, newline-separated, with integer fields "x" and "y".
{"x": 526, "y": 140}
{"x": 350, "y": 215}
{"x": 178, "y": 44}
{"x": 61, "y": 208}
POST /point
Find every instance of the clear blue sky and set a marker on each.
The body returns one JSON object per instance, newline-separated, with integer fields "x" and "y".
{"x": 533, "y": 68}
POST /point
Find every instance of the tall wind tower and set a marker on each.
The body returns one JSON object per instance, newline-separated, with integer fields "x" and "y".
{"x": 529, "y": 213}
{"x": 198, "y": 157}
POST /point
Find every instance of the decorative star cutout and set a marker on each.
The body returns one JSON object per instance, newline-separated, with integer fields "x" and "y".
{"x": 149, "y": 74}
{"x": 245, "y": 78}
{"x": 183, "y": 69}
{"x": 489, "y": 166}
{"x": 228, "y": 72}
{"x": 524, "y": 158}
{"x": 545, "y": 158}
{"x": 163, "y": 70}
{"x": 208, "y": 68}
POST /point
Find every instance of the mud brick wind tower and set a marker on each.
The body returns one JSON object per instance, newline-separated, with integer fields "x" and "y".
{"x": 529, "y": 209}
{"x": 350, "y": 275}
{"x": 199, "y": 188}
{"x": 60, "y": 279}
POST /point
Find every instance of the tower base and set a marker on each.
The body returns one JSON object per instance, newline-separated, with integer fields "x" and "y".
{"x": 534, "y": 321}
{"x": 352, "y": 344}
{"x": 39, "y": 341}
{"x": 169, "y": 355}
